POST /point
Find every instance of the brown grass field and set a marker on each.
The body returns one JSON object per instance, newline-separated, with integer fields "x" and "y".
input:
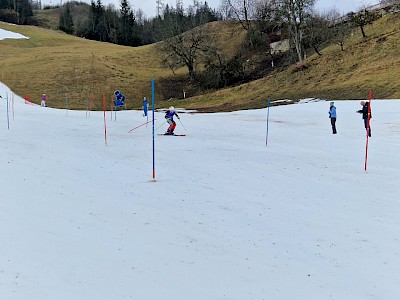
{"x": 58, "y": 64}
{"x": 366, "y": 64}
{"x": 61, "y": 65}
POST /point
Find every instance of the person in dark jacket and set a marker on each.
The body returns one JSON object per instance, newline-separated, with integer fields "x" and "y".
{"x": 119, "y": 98}
{"x": 366, "y": 115}
{"x": 332, "y": 116}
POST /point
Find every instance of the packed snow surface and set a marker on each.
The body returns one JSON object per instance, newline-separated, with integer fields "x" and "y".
{"x": 5, "y": 34}
{"x": 228, "y": 216}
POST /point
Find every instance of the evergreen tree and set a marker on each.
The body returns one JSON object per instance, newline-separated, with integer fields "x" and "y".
{"x": 66, "y": 22}
{"x": 127, "y": 23}
{"x": 21, "y": 11}
{"x": 97, "y": 23}
{"x": 101, "y": 25}
{"x": 92, "y": 21}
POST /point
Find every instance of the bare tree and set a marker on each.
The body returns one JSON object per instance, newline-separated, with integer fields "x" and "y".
{"x": 185, "y": 50}
{"x": 245, "y": 11}
{"x": 388, "y": 2}
{"x": 186, "y": 38}
{"x": 295, "y": 14}
{"x": 319, "y": 29}
{"x": 225, "y": 10}
{"x": 221, "y": 70}
{"x": 340, "y": 28}
{"x": 362, "y": 19}
{"x": 268, "y": 25}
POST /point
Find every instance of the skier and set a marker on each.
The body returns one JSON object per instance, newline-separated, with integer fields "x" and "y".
{"x": 332, "y": 116}
{"x": 169, "y": 116}
{"x": 119, "y": 99}
{"x": 366, "y": 115}
{"x": 43, "y": 103}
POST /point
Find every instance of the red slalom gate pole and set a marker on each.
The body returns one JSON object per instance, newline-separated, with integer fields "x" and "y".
{"x": 368, "y": 130}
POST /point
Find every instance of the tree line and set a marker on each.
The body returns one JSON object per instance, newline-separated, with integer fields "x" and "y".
{"x": 125, "y": 26}
{"x": 16, "y": 11}
{"x": 265, "y": 22}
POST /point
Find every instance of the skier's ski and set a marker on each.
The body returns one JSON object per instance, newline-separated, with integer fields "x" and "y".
{"x": 172, "y": 134}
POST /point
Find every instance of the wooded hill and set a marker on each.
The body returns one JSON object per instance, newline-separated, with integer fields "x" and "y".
{"x": 371, "y": 63}
{"x": 60, "y": 65}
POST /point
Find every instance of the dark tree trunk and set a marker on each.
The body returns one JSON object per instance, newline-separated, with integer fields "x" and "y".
{"x": 362, "y": 31}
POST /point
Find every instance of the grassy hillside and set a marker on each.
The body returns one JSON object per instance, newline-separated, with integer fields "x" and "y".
{"x": 48, "y": 18}
{"x": 371, "y": 63}
{"x": 58, "y": 64}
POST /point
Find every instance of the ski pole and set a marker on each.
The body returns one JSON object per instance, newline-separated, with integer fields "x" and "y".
{"x": 160, "y": 126}
{"x": 140, "y": 126}
{"x": 182, "y": 124}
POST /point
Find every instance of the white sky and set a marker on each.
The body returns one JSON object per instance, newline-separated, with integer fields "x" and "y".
{"x": 149, "y": 6}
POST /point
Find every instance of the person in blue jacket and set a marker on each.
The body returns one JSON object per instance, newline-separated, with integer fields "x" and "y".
{"x": 169, "y": 116}
{"x": 119, "y": 98}
{"x": 332, "y": 116}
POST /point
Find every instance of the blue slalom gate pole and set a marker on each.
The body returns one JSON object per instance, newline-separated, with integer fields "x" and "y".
{"x": 266, "y": 137}
{"x": 152, "y": 102}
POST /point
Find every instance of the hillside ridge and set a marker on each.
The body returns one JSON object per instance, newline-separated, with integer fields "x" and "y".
{"x": 81, "y": 68}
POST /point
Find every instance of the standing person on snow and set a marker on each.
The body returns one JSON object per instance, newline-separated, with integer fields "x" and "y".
{"x": 43, "y": 103}
{"x": 169, "y": 116}
{"x": 332, "y": 116}
{"x": 366, "y": 115}
{"x": 145, "y": 106}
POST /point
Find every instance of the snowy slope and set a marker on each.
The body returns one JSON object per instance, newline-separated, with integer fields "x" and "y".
{"x": 227, "y": 218}
{"x": 5, "y": 34}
